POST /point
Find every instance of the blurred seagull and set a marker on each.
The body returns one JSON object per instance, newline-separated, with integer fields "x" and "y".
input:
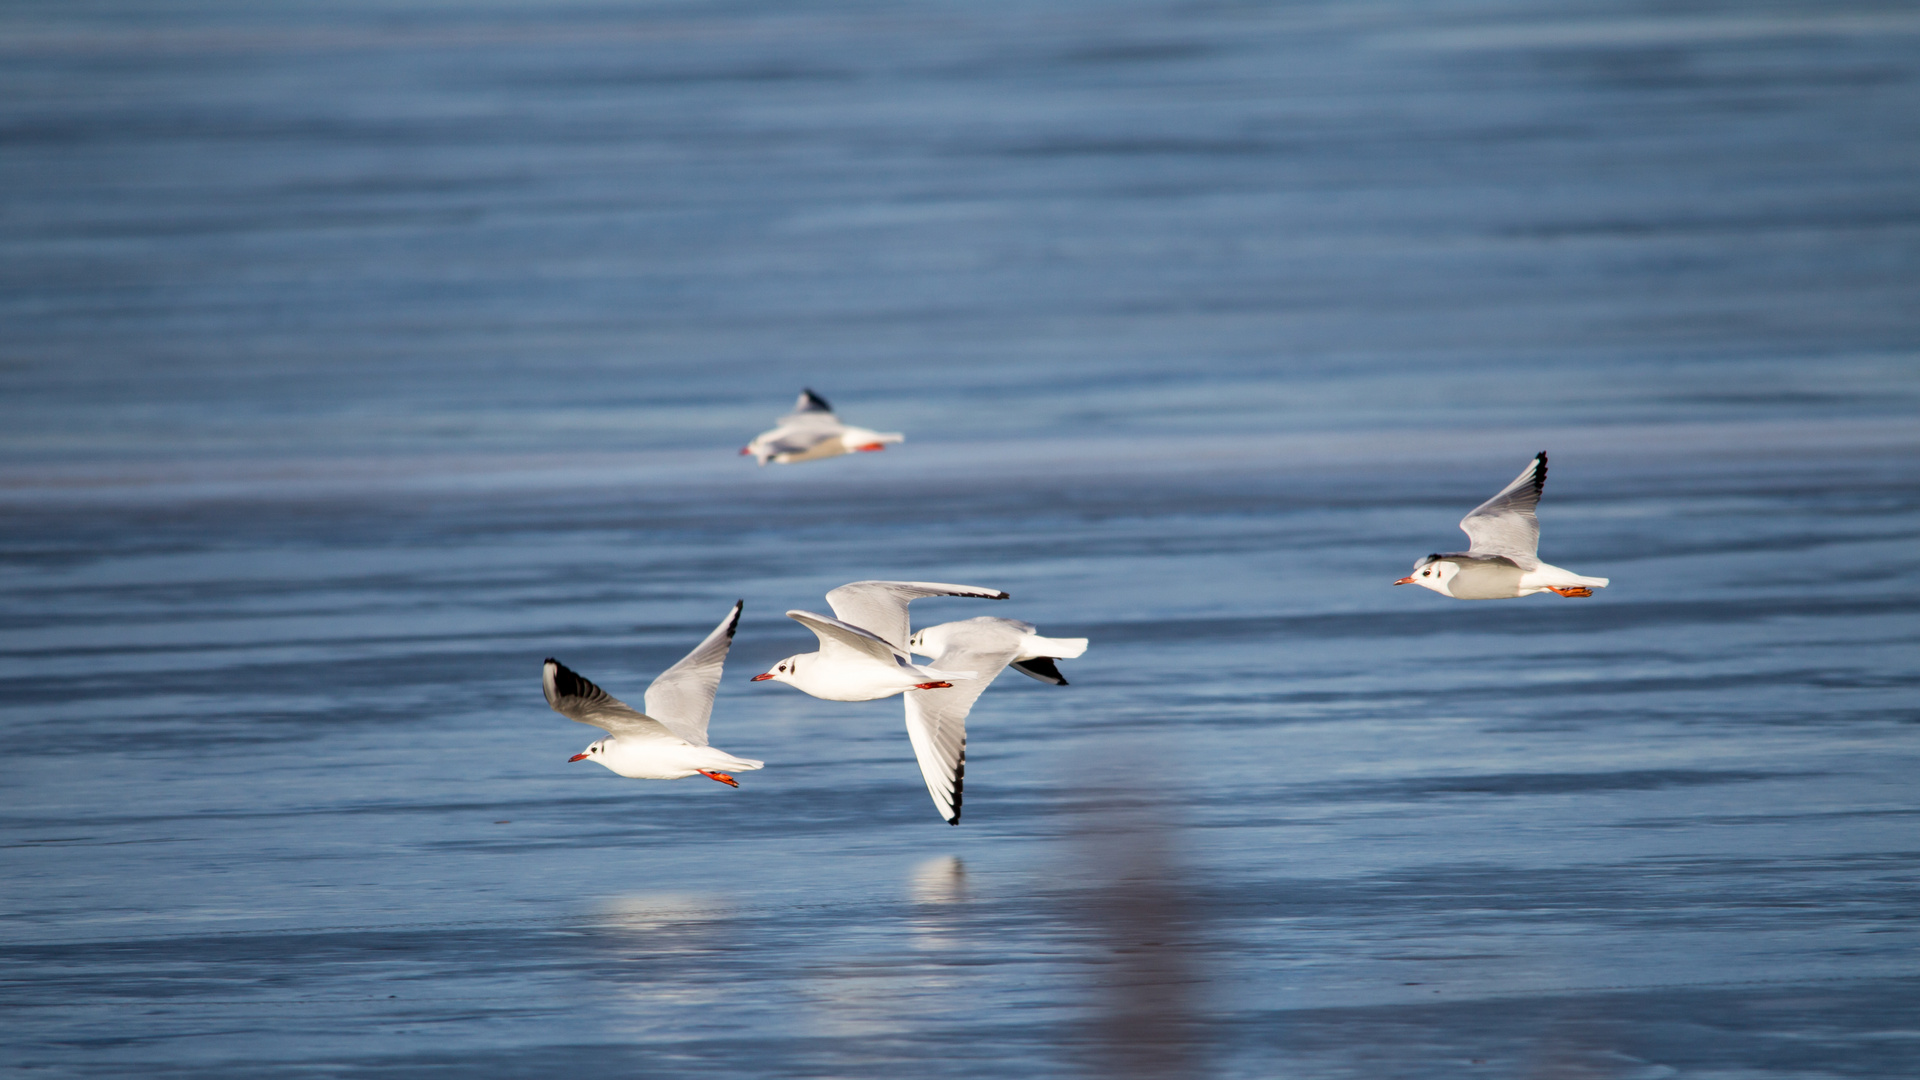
{"x": 937, "y": 718}
{"x": 863, "y": 653}
{"x": 811, "y": 432}
{"x": 669, "y": 740}
{"x": 1503, "y": 560}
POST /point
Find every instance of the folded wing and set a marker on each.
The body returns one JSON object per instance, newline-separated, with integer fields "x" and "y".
{"x": 881, "y": 606}
{"x": 577, "y": 699}
{"x": 1505, "y": 525}
{"x": 682, "y": 697}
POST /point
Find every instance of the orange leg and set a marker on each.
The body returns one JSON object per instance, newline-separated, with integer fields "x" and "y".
{"x": 1572, "y": 590}
{"x": 720, "y": 776}
{"x": 933, "y": 686}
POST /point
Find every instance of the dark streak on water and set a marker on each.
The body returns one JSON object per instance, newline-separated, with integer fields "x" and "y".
{"x": 353, "y": 366}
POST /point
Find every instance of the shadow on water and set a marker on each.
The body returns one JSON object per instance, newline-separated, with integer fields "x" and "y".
{"x": 1143, "y": 930}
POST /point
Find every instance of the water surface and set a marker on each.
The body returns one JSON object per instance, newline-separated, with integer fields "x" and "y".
{"x": 357, "y": 362}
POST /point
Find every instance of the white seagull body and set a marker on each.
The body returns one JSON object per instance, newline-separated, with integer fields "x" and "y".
{"x": 863, "y": 653}
{"x": 669, "y": 740}
{"x": 1503, "y": 559}
{"x": 937, "y": 719}
{"x": 811, "y": 432}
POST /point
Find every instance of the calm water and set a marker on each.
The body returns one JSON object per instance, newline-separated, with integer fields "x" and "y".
{"x": 353, "y": 366}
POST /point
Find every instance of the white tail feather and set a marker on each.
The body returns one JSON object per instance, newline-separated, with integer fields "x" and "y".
{"x": 1060, "y": 648}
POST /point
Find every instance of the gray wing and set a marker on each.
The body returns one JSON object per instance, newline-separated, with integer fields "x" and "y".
{"x": 811, "y": 413}
{"x": 881, "y": 606}
{"x": 802, "y": 431}
{"x": 937, "y": 719}
{"x": 836, "y": 636}
{"x": 682, "y": 697}
{"x": 579, "y": 700}
{"x": 1505, "y": 525}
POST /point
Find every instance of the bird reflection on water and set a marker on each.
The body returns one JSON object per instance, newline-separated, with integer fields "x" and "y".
{"x": 940, "y": 881}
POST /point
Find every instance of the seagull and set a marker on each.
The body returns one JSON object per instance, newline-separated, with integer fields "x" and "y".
{"x": 811, "y": 432}
{"x": 937, "y": 718}
{"x": 1503, "y": 560}
{"x": 863, "y": 653}
{"x": 669, "y": 740}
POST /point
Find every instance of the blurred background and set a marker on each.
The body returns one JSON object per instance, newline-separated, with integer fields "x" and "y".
{"x": 356, "y": 357}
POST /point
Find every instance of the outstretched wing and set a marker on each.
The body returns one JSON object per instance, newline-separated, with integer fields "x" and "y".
{"x": 838, "y": 637}
{"x": 937, "y": 719}
{"x": 881, "y": 606}
{"x": 579, "y": 700}
{"x": 1505, "y": 525}
{"x": 810, "y": 414}
{"x": 682, "y": 697}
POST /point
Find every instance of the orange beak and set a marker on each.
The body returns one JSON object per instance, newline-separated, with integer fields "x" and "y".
{"x": 762, "y": 675}
{"x": 578, "y": 757}
{"x": 1404, "y": 581}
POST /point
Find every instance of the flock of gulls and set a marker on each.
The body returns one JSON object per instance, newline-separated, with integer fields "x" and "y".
{"x": 867, "y": 646}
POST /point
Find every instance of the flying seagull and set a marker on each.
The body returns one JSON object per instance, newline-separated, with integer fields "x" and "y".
{"x": 1503, "y": 560}
{"x": 863, "y": 654}
{"x": 669, "y": 740}
{"x": 811, "y": 432}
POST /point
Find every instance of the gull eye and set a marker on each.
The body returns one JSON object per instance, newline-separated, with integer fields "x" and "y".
{"x": 1426, "y": 573}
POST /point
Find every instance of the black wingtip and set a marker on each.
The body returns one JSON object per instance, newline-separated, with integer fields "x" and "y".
{"x": 959, "y": 777}
{"x": 568, "y": 683}
{"x": 733, "y": 624}
{"x": 812, "y": 402}
{"x": 1042, "y": 668}
{"x": 1540, "y": 474}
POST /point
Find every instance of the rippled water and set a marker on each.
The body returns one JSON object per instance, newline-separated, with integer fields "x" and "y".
{"x": 352, "y": 367}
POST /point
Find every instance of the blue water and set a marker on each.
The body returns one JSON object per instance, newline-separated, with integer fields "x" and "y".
{"x": 357, "y": 359}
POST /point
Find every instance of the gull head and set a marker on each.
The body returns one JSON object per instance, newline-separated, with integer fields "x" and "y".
{"x": 780, "y": 672}
{"x": 594, "y": 752}
{"x": 1434, "y": 573}
{"x": 933, "y": 640}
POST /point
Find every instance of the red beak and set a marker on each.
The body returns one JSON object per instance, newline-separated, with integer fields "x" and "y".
{"x": 872, "y": 446}
{"x": 762, "y": 675}
{"x": 1404, "y": 581}
{"x": 746, "y": 450}
{"x": 577, "y": 757}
